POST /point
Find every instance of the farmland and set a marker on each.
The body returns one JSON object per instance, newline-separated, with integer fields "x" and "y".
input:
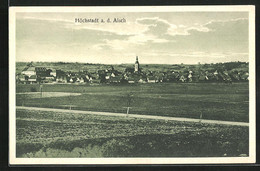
{"x": 217, "y": 101}
{"x": 54, "y": 134}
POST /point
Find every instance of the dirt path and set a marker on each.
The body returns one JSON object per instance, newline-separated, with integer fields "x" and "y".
{"x": 137, "y": 116}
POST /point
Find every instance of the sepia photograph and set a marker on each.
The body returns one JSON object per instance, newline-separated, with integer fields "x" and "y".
{"x": 132, "y": 85}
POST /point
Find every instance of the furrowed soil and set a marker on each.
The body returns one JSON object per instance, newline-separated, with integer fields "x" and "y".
{"x": 52, "y": 134}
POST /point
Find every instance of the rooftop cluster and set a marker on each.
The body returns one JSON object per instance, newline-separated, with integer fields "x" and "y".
{"x": 220, "y": 72}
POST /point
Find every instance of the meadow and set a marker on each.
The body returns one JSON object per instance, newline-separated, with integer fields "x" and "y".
{"x": 217, "y": 101}
{"x": 52, "y": 134}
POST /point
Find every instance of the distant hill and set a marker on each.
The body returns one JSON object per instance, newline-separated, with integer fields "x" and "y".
{"x": 75, "y": 67}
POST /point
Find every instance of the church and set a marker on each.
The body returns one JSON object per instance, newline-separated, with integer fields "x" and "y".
{"x": 137, "y": 66}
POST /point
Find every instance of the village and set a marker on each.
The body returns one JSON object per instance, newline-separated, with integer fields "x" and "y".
{"x": 222, "y": 72}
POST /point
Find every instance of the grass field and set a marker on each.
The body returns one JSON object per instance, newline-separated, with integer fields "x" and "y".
{"x": 216, "y": 101}
{"x": 52, "y": 134}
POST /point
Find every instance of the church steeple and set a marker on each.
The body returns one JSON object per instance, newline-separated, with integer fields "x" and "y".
{"x": 136, "y": 65}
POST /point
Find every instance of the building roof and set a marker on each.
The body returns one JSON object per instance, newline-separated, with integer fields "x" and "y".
{"x": 115, "y": 79}
{"x": 40, "y": 69}
{"x": 21, "y": 76}
{"x": 33, "y": 77}
{"x": 133, "y": 78}
{"x": 151, "y": 77}
{"x": 31, "y": 68}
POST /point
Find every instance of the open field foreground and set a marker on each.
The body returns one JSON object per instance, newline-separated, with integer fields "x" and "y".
{"x": 135, "y": 116}
{"x": 54, "y": 134}
{"x": 213, "y": 101}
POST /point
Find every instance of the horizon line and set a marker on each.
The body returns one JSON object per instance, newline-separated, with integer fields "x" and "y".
{"x": 126, "y": 63}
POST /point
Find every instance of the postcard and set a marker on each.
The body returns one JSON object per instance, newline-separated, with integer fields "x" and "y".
{"x": 132, "y": 85}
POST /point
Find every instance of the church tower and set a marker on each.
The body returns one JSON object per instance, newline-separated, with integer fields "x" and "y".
{"x": 136, "y": 65}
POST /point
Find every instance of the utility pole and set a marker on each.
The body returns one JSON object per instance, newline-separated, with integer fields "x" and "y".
{"x": 41, "y": 89}
{"x": 129, "y": 96}
{"x": 70, "y": 101}
{"x": 201, "y": 112}
{"x": 200, "y": 116}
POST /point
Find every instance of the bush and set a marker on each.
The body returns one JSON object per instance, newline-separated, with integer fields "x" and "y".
{"x": 33, "y": 89}
{"x": 117, "y": 148}
{"x": 89, "y": 151}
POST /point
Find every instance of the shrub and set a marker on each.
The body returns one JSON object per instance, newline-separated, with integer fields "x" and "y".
{"x": 33, "y": 89}
{"x": 117, "y": 148}
{"x": 89, "y": 151}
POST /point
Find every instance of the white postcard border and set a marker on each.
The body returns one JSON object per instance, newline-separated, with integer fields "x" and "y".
{"x": 96, "y": 161}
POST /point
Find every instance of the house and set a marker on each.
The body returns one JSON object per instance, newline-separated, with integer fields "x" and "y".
{"x": 85, "y": 78}
{"x": 160, "y": 77}
{"x": 221, "y": 76}
{"x": 61, "y": 76}
{"x": 20, "y": 78}
{"x": 129, "y": 70}
{"x": 195, "y": 77}
{"x": 97, "y": 81}
{"x": 190, "y": 77}
{"x": 61, "y": 79}
{"x": 113, "y": 74}
{"x": 81, "y": 80}
{"x": 50, "y": 79}
{"x": 142, "y": 80}
{"x": 32, "y": 79}
{"x": 77, "y": 79}
{"x": 90, "y": 79}
{"x": 107, "y": 77}
{"x": 236, "y": 75}
{"x": 71, "y": 80}
{"x": 53, "y": 72}
{"x": 216, "y": 75}
{"x": 29, "y": 71}
{"x": 131, "y": 80}
{"x": 182, "y": 78}
{"x": 170, "y": 77}
{"x": 226, "y": 77}
{"x": 42, "y": 72}
{"x": 115, "y": 79}
{"x": 125, "y": 76}
{"x": 151, "y": 79}
{"x": 245, "y": 76}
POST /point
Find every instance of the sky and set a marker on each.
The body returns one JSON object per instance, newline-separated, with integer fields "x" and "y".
{"x": 156, "y": 38}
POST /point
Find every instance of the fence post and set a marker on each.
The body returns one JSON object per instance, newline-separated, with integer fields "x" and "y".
{"x": 200, "y": 116}
{"x": 127, "y": 111}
